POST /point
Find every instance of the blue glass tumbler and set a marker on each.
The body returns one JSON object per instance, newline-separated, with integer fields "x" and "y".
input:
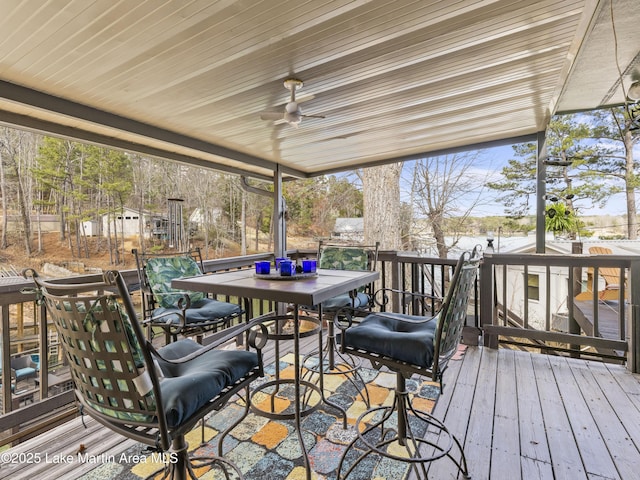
{"x": 309, "y": 266}
{"x": 263, "y": 268}
{"x": 287, "y": 268}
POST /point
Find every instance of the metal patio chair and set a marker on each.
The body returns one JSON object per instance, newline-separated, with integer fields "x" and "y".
{"x": 152, "y": 396}
{"x": 407, "y": 345}
{"x": 342, "y": 256}
{"x": 160, "y": 300}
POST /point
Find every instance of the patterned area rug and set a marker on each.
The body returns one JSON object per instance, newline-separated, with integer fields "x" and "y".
{"x": 269, "y": 449}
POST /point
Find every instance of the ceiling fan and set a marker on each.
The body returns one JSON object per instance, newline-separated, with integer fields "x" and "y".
{"x": 292, "y": 113}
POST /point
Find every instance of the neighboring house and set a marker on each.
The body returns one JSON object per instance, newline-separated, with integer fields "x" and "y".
{"x": 128, "y": 223}
{"x": 351, "y": 229}
{"x": 558, "y": 278}
{"x": 198, "y": 219}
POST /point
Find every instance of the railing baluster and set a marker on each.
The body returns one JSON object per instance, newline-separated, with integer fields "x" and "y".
{"x": 505, "y": 306}
{"x": 547, "y": 310}
{"x": 525, "y": 319}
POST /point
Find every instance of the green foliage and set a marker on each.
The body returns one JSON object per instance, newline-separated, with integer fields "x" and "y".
{"x": 518, "y": 184}
{"x": 559, "y": 219}
{"x": 313, "y": 204}
{"x": 569, "y": 139}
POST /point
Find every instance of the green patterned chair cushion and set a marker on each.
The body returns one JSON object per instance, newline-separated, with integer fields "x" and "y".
{"x": 344, "y": 258}
{"x": 348, "y": 258}
{"x": 162, "y": 270}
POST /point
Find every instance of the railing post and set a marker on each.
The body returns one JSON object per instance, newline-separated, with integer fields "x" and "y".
{"x": 487, "y": 285}
{"x": 40, "y": 312}
{"x": 5, "y": 359}
{"x": 395, "y": 283}
{"x": 633, "y": 329}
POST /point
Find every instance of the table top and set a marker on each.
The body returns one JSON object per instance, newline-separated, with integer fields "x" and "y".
{"x": 308, "y": 291}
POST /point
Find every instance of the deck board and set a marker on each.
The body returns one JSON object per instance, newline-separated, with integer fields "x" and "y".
{"x": 454, "y": 405}
{"x": 505, "y": 460}
{"x": 479, "y": 437}
{"x": 533, "y": 440}
{"x": 610, "y": 426}
{"x": 585, "y": 430}
{"x": 565, "y": 456}
{"x": 519, "y": 415}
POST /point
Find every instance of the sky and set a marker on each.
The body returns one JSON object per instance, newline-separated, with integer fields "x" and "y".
{"x": 487, "y": 167}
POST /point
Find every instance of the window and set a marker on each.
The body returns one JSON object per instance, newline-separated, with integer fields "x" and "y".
{"x": 533, "y": 286}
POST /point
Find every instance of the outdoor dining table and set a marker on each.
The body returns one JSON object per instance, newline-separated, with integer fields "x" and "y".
{"x": 309, "y": 290}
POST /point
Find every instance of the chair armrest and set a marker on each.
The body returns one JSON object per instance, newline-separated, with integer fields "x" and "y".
{"x": 230, "y": 333}
{"x": 183, "y": 304}
{"x": 423, "y": 307}
{"x": 257, "y": 339}
{"x": 418, "y": 302}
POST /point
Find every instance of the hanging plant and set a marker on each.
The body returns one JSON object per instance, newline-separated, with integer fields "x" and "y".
{"x": 559, "y": 219}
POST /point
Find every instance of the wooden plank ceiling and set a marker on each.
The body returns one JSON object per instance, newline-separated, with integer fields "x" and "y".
{"x": 190, "y": 80}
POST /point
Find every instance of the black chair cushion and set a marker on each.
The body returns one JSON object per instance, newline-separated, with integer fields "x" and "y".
{"x": 344, "y": 300}
{"x": 388, "y": 335}
{"x": 205, "y": 310}
{"x": 187, "y": 386}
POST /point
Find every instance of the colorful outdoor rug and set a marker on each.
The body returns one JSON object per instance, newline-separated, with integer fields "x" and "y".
{"x": 268, "y": 449}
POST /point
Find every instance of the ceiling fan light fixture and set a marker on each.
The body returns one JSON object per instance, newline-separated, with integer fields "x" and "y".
{"x": 294, "y": 118}
{"x": 633, "y": 93}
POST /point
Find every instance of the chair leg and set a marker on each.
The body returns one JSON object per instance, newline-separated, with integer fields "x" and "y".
{"x": 411, "y": 436}
{"x": 247, "y": 405}
{"x": 180, "y": 466}
{"x": 333, "y": 362}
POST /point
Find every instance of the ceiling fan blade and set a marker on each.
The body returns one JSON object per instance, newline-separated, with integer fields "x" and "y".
{"x": 305, "y": 98}
{"x": 313, "y": 116}
{"x": 271, "y": 116}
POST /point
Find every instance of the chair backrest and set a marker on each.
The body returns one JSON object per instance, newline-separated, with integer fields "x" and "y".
{"x": 335, "y": 256}
{"x": 611, "y": 275}
{"x": 453, "y": 314}
{"x": 156, "y": 271}
{"x": 111, "y": 366}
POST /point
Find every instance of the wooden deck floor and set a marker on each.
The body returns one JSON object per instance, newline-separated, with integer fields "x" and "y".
{"x": 520, "y": 415}
{"x": 528, "y": 416}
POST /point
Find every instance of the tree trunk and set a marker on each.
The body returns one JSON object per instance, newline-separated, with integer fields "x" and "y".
{"x": 243, "y": 223}
{"x": 116, "y": 243}
{"x": 24, "y": 212}
{"x": 438, "y": 234}
{"x": 630, "y": 191}
{"x": 258, "y": 224}
{"x": 108, "y": 235}
{"x": 39, "y": 227}
{"x": 381, "y": 190}
{"x": 3, "y": 192}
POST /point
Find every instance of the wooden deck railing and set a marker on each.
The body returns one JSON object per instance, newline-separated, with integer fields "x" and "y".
{"x": 505, "y": 309}
{"x": 562, "y": 303}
